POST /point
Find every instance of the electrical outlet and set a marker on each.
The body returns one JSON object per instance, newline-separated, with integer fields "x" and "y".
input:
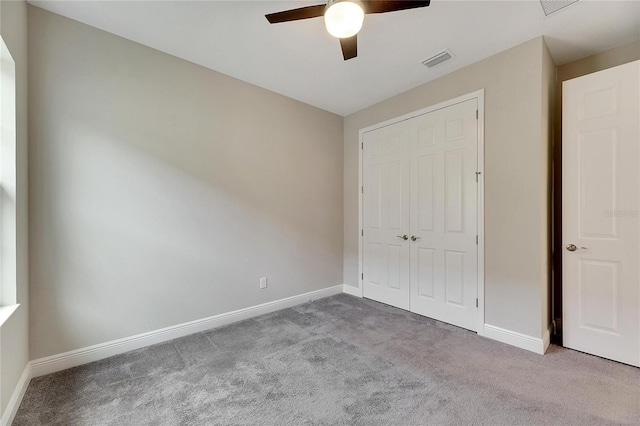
{"x": 263, "y": 282}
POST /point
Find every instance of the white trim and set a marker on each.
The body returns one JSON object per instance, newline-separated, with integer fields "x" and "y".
{"x": 16, "y": 397}
{"x": 352, "y": 290}
{"x": 479, "y": 95}
{"x": 480, "y": 213}
{"x": 512, "y": 338}
{"x": 360, "y": 207}
{"x": 6, "y": 312}
{"x": 54, "y": 363}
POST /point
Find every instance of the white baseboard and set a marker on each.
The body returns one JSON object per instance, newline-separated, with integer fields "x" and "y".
{"x": 54, "y": 363}
{"x": 516, "y": 339}
{"x": 354, "y": 291}
{"x": 16, "y": 397}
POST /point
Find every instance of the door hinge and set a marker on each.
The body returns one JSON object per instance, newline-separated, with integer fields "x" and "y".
{"x": 362, "y": 189}
{"x": 476, "y": 302}
{"x": 476, "y": 114}
{"x": 478, "y": 174}
{"x": 476, "y": 240}
{"x": 362, "y": 232}
{"x": 362, "y": 276}
{"x": 362, "y": 145}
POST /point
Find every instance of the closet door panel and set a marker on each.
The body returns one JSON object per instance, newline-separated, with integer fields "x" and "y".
{"x": 444, "y": 146}
{"x": 386, "y": 215}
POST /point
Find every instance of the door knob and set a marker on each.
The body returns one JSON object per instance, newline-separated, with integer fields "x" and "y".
{"x": 572, "y": 247}
{"x": 403, "y": 237}
{"x": 414, "y": 238}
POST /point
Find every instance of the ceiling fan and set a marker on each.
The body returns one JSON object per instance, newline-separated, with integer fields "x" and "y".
{"x": 343, "y": 18}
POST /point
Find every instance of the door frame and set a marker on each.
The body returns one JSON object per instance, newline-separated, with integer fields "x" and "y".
{"x": 479, "y": 96}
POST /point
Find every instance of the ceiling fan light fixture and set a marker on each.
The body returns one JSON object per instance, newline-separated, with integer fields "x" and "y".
{"x": 343, "y": 18}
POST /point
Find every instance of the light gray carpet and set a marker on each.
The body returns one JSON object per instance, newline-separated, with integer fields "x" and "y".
{"x": 337, "y": 361}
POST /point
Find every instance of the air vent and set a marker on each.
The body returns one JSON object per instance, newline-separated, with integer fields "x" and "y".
{"x": 552, "y": 6}
{"x": 438, "y": 58}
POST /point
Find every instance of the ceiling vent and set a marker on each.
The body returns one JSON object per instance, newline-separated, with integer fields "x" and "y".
{"x": 552, "y": 6}
{"x": 438, "y": 58}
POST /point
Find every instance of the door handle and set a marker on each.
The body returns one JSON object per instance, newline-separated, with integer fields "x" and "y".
{"x": 414, "y": 238}
{"x": 403, "y": 237}
{"x": 573, "y": 247}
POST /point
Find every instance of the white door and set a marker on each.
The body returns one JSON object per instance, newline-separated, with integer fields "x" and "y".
{"x": 443, "y": 181}
{"x": 601, "y": 202}
{"x": 386, "y": 215}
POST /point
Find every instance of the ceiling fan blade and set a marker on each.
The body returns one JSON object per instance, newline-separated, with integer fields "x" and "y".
{"x": 349, "y": 47}
{"x": 296, "y": 14}
{"x": 382, "y": 6}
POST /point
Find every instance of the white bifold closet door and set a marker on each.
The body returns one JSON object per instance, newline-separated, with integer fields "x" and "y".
{"x": 419, "y": 181}
{"x": 601, "y": 213}
{"x": 444, "y": 257}
{"x": 386, "y": 215}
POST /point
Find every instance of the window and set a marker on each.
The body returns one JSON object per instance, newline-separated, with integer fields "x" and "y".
{"x": 7, "y": 177}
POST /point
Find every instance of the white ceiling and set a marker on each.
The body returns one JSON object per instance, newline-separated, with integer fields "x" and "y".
{"x": 301, "y": 60}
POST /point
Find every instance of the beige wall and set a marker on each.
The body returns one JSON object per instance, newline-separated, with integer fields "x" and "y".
{"x": 162, "y": 191}
{"x": 516, "y": 177}
{"x": 14, "y": 342}
{"x": 546, "y": 143}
